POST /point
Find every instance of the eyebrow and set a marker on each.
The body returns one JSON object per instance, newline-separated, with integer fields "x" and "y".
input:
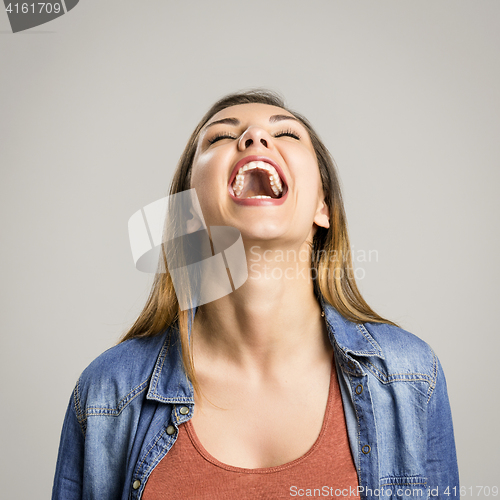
{"x": 235, "y": 121}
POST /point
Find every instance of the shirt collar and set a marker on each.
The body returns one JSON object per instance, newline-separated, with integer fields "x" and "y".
{"x": 169, "y": 383}
{"x": 352, "y": 338}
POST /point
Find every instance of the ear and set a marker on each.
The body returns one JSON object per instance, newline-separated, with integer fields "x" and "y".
{"x": 322, "y": 216}
{"x": 194, "y": 224}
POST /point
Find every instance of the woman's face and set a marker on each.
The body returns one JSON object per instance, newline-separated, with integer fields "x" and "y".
{"x": 255, "y": 169}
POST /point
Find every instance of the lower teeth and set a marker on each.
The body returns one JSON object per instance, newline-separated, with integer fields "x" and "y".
{"x": 259, "y": 196}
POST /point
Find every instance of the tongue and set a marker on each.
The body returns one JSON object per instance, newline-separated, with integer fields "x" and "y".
{"x": 256, "y": 183}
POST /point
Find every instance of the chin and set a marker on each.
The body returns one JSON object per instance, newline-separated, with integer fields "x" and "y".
{"x": 265, "y": 233}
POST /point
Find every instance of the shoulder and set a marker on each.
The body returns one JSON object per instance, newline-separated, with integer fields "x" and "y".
{"x": 387, "y": 350}
{"x": 120, "y": 373}
{"x": 404, "y": 356}
{"x": 399, "y": 345}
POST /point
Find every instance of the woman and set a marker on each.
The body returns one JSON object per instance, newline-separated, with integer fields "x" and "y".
{"x": 288, "y": 386}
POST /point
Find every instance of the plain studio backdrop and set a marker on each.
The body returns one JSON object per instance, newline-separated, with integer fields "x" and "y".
{"x": 97, "y": 105}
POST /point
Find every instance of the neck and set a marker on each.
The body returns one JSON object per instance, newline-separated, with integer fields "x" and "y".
{"x": 269, "y": 321}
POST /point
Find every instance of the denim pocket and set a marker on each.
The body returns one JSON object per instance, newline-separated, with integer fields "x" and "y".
{"x": 402, "y": 488}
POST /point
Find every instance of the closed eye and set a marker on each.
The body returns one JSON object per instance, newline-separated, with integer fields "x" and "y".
{"x": 289, "y": 133}
{"x": 218, "y": 137}
{"x": 225, "y": 135}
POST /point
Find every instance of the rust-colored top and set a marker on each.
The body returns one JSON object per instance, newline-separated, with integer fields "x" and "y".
{"x": 327, "y": 470}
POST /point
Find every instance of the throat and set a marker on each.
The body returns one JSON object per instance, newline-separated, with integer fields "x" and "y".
{"x": 256, "y": 183}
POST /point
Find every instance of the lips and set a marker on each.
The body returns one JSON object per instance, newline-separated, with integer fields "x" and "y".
{"x": 258, "y": 201}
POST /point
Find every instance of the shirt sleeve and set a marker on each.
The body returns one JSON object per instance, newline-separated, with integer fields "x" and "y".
{"x": 68, "y": 480}
{"x": 442, "y": 468}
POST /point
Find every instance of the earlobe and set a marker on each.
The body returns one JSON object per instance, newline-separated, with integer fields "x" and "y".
{"x": 322, "y": 217}
{"x": 194, "y": 224}
{"x": 322, "y": 221}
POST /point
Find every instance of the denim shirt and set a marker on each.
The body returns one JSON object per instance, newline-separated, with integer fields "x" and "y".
{"x": 124, "y": 414}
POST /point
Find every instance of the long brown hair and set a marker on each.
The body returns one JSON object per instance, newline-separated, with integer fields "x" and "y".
{"x": 330, "y": 251}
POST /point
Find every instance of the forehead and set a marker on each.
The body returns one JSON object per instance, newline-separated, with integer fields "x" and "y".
{"x": 250, "y": 111}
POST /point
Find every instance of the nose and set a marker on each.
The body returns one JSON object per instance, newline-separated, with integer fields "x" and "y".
{"x": 254, "y": 136}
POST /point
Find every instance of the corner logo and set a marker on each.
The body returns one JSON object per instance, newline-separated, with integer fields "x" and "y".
{"x": 26, "y": 15}
{"x": 205, "y": 263}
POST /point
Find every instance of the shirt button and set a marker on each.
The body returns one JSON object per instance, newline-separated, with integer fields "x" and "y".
{"x": 184, "y": 410}
{"x": 359, "y": 389}
{"x": 170, "y": 430}
{"x": 366, "y": 449}
{"x": 136, "y": 485}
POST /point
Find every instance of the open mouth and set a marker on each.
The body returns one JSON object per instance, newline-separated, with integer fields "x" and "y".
{"x": 257, "y": 180}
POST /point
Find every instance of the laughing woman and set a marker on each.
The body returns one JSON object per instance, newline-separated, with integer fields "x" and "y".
{"x": 291, "y": 385}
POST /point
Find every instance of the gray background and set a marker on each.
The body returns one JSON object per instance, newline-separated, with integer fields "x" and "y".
{"x": 96, "y": 107}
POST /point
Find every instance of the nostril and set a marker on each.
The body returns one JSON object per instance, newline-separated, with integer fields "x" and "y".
{"x": 248, "y": 142}
{"x": 264, "y": 142}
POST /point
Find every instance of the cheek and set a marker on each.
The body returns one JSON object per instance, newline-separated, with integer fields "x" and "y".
{"x": 207, "y": 178}
{"x": 208, "y": 171}
{"x": 309, "y": 197}
{"x": 202, "y": 181}
{"x": 309, "y": 182}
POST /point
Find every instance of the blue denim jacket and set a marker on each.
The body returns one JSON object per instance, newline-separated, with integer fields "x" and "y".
{"x": 125, "y": 411}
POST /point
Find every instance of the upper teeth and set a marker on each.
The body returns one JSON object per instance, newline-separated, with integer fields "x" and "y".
{"x": 274, "y": 178}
